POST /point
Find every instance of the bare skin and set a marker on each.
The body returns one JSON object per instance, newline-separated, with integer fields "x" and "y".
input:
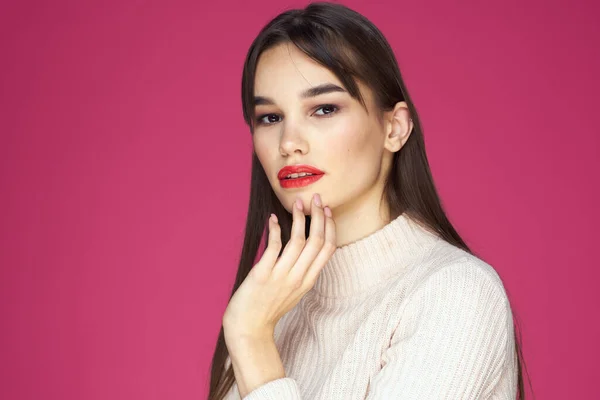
{"x": 350, "y": 145}
{"x": 272, "y": 288}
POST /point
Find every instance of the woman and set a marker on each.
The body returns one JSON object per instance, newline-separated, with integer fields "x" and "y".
{"x": 364, "y": 289}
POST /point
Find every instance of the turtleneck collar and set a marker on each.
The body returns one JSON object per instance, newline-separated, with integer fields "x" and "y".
{"x": 362, "y": 264}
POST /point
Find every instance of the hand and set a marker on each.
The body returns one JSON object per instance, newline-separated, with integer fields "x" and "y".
{"x": 275, "y": 285}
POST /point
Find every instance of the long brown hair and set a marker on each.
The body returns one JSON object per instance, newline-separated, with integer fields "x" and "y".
{"x": 350, "y": 46}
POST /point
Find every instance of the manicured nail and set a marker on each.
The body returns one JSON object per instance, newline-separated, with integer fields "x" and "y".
{"x": 327, "y": 211}
{"x": 317, "y": 199}
{"x": 299, "y": 204}
{"x": 274, "y": 218}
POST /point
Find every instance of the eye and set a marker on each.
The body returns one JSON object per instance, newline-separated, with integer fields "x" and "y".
{"x": 329, "y": 108}
{"x": 270, "y": 118}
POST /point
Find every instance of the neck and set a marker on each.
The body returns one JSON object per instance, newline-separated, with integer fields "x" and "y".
{"x": 360, "y": 218}
{"x": 356, "y": 267}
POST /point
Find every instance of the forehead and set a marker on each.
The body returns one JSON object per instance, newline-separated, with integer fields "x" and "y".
{"x": 285, "y": 68}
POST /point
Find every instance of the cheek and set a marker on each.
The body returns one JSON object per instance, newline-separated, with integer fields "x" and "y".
{"x": 355, "y": 144}
{"x": 264, "y": 150}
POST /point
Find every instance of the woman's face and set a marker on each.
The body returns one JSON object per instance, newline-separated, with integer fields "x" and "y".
{"x": 329, "y": 131}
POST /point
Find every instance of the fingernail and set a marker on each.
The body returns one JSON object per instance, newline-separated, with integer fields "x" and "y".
{"x": 299, "y": 204}
{"x": 317, "y": 199}
{"x": 274, "y": 217}
{"x": 327, "y": 211}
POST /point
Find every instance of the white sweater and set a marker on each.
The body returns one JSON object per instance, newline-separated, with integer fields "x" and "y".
{"x": 399, "y": 314}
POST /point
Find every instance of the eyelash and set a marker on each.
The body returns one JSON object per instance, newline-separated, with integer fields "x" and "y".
{"x": 335, "y": 107}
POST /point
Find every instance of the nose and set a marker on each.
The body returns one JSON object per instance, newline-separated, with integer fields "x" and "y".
{"x": 292, "y": 139}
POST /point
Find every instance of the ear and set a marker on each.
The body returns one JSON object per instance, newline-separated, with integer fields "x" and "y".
{"x": 398, "y": 126}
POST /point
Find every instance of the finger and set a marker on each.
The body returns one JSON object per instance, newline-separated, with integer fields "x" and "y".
{"x": 269, "y": 257}
{"x": 274, "y": 243}
{"x": 314, "y": 243}
{"x": 295, "y": 244}
{"x": 326, "y": 252}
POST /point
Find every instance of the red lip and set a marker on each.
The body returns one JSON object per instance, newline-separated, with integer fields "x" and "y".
{"x": 296, "y": 169}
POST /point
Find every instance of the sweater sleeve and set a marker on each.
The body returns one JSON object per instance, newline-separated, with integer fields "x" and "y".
{"x": 451, "y": 341}
{"x": 278, "y": 389}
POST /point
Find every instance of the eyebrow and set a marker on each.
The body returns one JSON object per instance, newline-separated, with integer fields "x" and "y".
{"x": 311, "y": 92}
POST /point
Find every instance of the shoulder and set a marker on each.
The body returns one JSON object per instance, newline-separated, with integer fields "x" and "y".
{"x": 453, "y": 319}
{"x": 451, "y": 268}
{"x": 452, "y": 281}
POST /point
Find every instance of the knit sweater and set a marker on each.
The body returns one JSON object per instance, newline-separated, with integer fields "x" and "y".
{"x": 398, "y": 314}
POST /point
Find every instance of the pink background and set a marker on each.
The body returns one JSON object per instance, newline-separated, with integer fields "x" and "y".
{"x": 124, "y": 172}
